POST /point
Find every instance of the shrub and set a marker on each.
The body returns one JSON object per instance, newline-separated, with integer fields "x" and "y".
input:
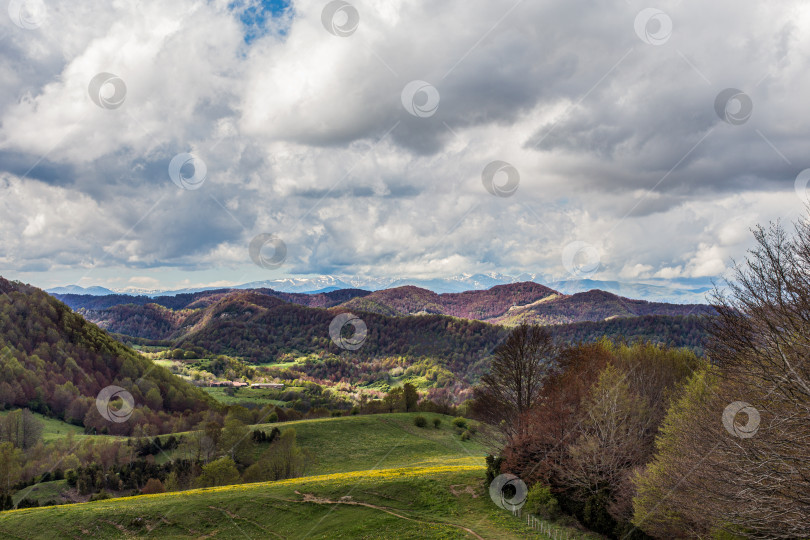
{"x": 28, "y": 503}
{"x": 221, "y": 472}
{"x": 319, "y": 412}
{"x": 437, "y": 422}
{"x": 460, "y": 422}
{"x": 542, "y": 502}
{"x": 102, "y": 495}
{"x": 466, "y": 435}
{"x": 153, "y": 485}
{"x": 493, "y": 467}
{"x": 420, "y": 421}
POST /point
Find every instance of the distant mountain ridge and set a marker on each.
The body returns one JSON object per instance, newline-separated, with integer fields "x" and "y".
{"x": 262, "y": 328}
{"x": 170, "y": 317}
{"x": 516, "y": 303}
{"x": 75, "y": 289}
{"x": 685, "y": 291}
{"x": 203, "y": 298}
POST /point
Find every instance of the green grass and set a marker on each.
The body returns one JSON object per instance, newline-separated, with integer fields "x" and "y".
{"x": 356, "y": 443}
{"x": 438, "y": 502}
{"x": 411, "y": 482}
{"x": 280, "y": 365}
{"x": 53, "y": 428}
{"x": 42, "y": 492}
{"x": 164, "y": 363}
{"x": 260, "y": 396}
{"x": 353, "y": 443}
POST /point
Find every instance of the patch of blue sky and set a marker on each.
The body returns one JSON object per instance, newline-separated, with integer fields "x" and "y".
{"x": 261, "y": 17}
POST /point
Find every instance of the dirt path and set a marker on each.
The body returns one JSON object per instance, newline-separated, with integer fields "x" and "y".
{"x": 234, "y": 517}
{"x": 308, "y": 497}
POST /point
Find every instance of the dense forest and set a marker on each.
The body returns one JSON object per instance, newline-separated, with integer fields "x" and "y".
{"x": 262, "y": 327}
{"x": 639, "y": 441}
{"x": 203, "y": 298}
{"x": 504, "y": 304}
{"x": 54, "y": 362}
{"x": 476, "y": 305}
{"x": 673, "y": 331}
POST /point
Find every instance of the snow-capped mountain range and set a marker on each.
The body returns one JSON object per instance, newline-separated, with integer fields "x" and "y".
{"x": 683, "y": 291}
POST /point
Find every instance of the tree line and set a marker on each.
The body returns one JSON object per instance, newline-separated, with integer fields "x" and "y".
{"x": 642, "y": 440}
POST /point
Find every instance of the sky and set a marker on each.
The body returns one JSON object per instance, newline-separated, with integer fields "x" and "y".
{"x": 189, "y": 143}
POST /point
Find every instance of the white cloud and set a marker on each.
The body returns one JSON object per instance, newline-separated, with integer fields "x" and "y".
{"x": 304, "y": 135}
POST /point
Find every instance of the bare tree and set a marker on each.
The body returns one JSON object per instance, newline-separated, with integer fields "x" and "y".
{"x": 513, "y": 385}
{"x": 609, "y": 443}
{"x": 21, "y": 428}
{"x": 736, "y": 455}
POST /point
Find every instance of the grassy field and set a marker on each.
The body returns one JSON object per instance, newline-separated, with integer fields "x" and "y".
{"x": 258, "y": 396}
{"x": 42, "y": 492}
{"x": 374, "y": 476}
{"x": 55, "y": 429}
{"x": 353, "y": 443}
{"x": 432, "y": 501}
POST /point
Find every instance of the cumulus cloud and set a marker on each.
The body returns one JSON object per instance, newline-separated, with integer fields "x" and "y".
{"x": 304, "y": 134}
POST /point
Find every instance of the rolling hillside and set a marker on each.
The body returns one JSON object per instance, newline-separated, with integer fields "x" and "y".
{"x": 54, "y": 362}
{"x": 204, "y": 298}
{"x": 407, "y": 321}
{"x": 593, "y": 306}
{"x": 262, "y": 328}
{"x": 141, "y": 316}
{"x": 372, "y": 476}
{"x": 477, "y": 305}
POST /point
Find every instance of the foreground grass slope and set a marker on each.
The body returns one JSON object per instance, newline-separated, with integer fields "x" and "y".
{"x": 354, "y": 443}
{"x": 371, "y": 477}
{"x": 440, "y": 500}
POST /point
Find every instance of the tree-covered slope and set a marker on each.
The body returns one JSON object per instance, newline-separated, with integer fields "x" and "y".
{"x": 204, "y": 298}
{"x": 594, "y": 306}
{"x": 55, "y": 362}
{"x": 480, "y": 305}
{"x": 262, "y": 328}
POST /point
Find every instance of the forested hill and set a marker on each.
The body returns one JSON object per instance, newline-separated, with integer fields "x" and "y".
{"x": 671, "y": 330}
{"x": 482, "y": 305}
{"x": 508, "y": 305}
{"x": 53, "y": 361}
{"x": 204, "y": 298}
{"x": 517, "y": 303}
{"x": 261, "y": 329}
